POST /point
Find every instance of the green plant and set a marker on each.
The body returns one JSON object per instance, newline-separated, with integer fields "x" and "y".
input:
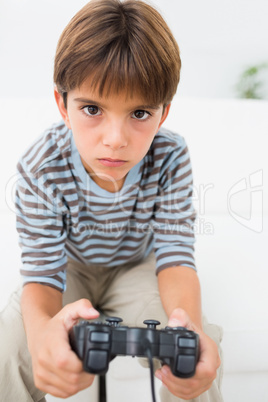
{"x": 252, "y": 82}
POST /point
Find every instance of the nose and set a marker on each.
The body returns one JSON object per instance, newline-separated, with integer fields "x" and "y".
{"x": 115, "y": 136}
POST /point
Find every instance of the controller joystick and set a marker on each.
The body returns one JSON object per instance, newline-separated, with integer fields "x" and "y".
{"x": 114, "y": 321}
{"x": 97, "y": 344}
{"x": 151, "y": 323}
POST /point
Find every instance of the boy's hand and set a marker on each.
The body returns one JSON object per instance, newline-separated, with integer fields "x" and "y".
{"x": 206, "y": 368}
{"x": 57, "y": 370}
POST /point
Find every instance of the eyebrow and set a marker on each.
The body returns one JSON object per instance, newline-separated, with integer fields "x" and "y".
{"x": 94, "y": 102}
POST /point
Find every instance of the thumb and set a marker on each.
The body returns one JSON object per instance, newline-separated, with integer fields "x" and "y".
{"x": 72, "y": 312}
{"x": 179, "y": 318}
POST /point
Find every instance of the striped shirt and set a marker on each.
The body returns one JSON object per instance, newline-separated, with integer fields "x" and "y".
{"x": 62, "y": 212}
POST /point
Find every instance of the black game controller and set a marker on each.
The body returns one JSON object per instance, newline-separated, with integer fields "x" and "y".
{"x": 96, "y": 344}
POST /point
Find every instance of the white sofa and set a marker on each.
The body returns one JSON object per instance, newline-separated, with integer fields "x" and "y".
{"x": 228, "y": 144}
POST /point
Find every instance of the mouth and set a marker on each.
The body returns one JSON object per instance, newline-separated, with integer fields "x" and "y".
{"x": 112, "y": 162}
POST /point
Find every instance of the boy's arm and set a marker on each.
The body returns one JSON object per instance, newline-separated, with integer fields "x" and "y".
{"x": 56, "y": 369}
{"x": 180, "y": 294}
{"x": 39, "y": 303}
{"x": 179, "y": 287}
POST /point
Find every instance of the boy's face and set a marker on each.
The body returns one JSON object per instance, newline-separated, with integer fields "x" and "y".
{"x": 112, "y": 134}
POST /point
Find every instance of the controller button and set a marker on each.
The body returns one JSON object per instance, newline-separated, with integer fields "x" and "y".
{"x": 186, "y": 343}
{"x": 185, "y": 364}
{"x": 175, "y": 328}
{"x": 99, "y": 337}
{"x": 97, "y": 360}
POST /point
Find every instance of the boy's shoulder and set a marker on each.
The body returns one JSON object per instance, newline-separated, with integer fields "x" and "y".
{"x": 167, "y": 141}
{"x": 51, "y": 147}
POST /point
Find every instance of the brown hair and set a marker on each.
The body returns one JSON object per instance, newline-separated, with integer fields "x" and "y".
{"x": 121, "y": 46}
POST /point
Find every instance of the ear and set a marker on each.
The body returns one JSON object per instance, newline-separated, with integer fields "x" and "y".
{"x": 61, "y": 107}
{"x": 164, "y": 115}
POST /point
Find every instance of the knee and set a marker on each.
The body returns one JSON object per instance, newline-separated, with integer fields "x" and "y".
{"x": 152, "y": 309}
{"x": 214, "y": 331}
{"x": 13, "y": 337}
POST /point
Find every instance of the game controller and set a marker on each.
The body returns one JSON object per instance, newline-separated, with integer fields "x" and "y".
{"x": 97, "y": 343}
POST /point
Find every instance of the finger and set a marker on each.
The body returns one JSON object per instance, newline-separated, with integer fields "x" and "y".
{"x": 209, "y": 361}
{"x": 187, "y": 388}
{"x": 72, "y": 312}
{"x": 57, "y": 355}
{"x": 63, "y": 386}
{"x": 179, "y": 318}
{"x": 66, "y": 363}
{"x": 63, "y": 370}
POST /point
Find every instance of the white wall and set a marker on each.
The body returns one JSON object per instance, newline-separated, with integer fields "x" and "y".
{"x": 217, "y": 40}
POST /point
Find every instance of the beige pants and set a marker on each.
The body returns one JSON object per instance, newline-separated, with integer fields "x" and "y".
{"x": 129, "y": 292}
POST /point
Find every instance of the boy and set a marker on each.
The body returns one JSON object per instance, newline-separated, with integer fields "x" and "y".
{"x": 103, "y": 199}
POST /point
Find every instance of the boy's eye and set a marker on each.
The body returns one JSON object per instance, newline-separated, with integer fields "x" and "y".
{"x": 92, "y": 110}
{"x": 140, "y": 115}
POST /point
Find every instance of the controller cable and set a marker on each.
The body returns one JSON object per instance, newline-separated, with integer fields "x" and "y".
{"x": 147, "y": 349}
